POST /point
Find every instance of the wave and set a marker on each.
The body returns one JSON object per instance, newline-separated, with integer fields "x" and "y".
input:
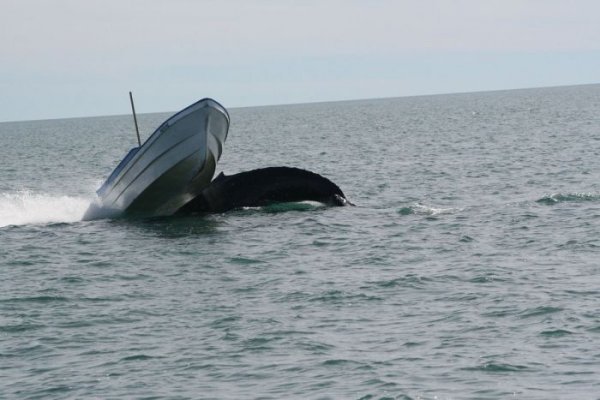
{"x": 281, "y": 207}
{"x": 421, "y": 209}
{"x": 568, "y": 197}
{"x": 29, "y": 208}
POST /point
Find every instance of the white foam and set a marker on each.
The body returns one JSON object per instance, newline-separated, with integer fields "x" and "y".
{"x": 27, "y": 208}
{"x": 427, "y": 210}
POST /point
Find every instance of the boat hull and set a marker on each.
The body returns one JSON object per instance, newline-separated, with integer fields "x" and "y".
{"x": 171, "y": 167}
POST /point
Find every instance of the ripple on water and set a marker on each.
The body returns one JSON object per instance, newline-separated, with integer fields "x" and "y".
{"x": 139, "y": 357}
{"x": 36, "y": 299}
{"x": 556, "y": 333}
{"x": 497, "y": 367}
{"x": 539, "y": 311}
{"x": 20, "y": 328}
{"x": 407, "y": 281}
{"x": 340, "y": 297}
{"x": 568, "y": 197}
{"x": 245, "y": 260}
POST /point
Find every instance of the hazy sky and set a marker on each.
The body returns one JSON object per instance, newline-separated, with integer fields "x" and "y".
{"x": 68, "y": 58}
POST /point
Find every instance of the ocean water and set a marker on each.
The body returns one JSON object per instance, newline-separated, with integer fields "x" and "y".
{"x": 469, "y": 269}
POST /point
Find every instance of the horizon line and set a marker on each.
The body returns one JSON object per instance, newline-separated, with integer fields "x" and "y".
{"x": 315, "y": 102}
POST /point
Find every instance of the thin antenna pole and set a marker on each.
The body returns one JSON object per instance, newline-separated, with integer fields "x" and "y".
{"x": 137, "y": 131}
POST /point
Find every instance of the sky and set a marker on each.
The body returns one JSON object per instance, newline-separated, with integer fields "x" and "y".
{"x": 74, "y": 58}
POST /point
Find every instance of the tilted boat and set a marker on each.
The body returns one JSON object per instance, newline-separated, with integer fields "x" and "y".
{"x": 171, "y": 168}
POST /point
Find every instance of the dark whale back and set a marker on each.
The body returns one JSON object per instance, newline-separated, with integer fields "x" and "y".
{"x": 261, "y": 187}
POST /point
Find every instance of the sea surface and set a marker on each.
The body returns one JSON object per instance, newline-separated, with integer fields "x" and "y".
{"x": 469, "y": 268}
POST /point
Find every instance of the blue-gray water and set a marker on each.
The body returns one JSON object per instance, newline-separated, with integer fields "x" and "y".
{"x": 469, "y": 269}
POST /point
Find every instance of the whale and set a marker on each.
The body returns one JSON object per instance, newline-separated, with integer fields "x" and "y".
{"x": 262, "y": 187}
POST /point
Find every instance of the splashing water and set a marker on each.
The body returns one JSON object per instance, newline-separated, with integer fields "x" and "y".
{"x": 568, "y": 197}
{"x": 25, "y": 208}
{"x": 421, "y": 209}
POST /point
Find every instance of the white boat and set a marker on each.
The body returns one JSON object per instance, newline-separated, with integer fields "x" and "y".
{"x": 172, "y": 167}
